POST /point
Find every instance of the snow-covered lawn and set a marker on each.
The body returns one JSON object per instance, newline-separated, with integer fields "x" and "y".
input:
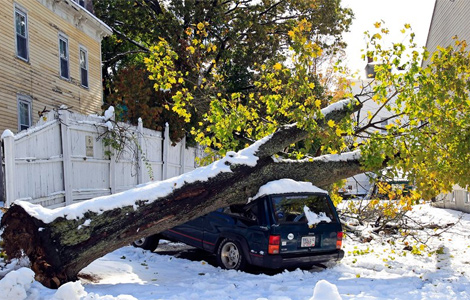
{"x": 380, "y": 269}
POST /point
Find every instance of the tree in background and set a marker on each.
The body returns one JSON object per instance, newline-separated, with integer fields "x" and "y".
{"x": 135, "y": 97}
{"x": 238, "y": 34}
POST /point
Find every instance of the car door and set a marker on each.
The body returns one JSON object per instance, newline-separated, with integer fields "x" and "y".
{"x": 191, "y": 232}
{"x": 215, "y": 223}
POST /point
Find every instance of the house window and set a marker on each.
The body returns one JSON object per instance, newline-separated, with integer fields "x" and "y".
{"x": 24, "y": 112}
{"x": 467, "y": 199}
{"x": 21, "y": 28}
{"x": 84, "y": 66}
{"x": 81, "y": 2}
{"x": 453, "y": 196}
{"x": 64, "y": 57}
{"x": 383, "y": 124}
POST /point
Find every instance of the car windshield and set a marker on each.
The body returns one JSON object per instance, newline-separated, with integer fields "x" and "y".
{"x": 290, "y": 208}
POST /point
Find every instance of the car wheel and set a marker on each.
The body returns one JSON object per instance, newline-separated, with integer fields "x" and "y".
{"x": 147, "y": 243}
{"x": 230, "y": 255}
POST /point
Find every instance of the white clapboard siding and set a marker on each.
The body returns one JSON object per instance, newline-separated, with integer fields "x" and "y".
{"x": 63, "y": 160}
{"x": 450, "y": 19}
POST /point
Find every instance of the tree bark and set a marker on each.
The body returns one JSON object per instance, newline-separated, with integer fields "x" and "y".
{"x": 60, "y": 249}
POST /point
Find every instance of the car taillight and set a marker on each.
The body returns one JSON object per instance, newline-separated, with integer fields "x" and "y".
{"x": 339, "y": 240}
{"x": 274, "y": 244}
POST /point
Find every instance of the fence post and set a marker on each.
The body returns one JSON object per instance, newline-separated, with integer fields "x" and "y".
{"x": 9, "y": 147}
{"x": 166, "y": 144}
{"x": 2, "y": 176}
{"x": 140, "y": 162}
{"x": 182, "y": 156}
{"x": 112, "y": 164}
{"x": 66, "y": 154}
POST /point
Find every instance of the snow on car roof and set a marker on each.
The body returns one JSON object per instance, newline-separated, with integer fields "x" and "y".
{"x": 286, "y": 186}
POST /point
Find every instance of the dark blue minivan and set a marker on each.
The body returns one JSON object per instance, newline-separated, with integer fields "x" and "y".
{"x": 278, "y": 229}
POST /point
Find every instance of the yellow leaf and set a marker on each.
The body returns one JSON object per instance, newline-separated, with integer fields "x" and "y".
{"x": 191, "y": 49}
{"x": 318, "y": 103}
{"x": 200, "y": 26}
{"x": 277, "y": 66}
{"x": 377, "y": 24}
{"x": 338, "y": 131}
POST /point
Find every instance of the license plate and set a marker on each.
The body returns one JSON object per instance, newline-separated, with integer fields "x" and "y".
{"x": 308, "y": 241}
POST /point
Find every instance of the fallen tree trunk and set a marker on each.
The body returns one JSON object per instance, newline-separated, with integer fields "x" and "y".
{"x": 61, "y": 242}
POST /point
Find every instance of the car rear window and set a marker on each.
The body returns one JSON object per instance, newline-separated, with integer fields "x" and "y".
{"x": 290, "y": 209}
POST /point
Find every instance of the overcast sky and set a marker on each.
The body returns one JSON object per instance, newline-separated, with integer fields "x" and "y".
{"x": 417, "y": 13}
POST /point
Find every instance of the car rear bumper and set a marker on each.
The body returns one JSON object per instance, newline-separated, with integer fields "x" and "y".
{"x": 287, "y": 261}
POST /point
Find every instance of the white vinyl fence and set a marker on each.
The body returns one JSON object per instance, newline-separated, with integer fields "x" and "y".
{"x": 64, "y": 160}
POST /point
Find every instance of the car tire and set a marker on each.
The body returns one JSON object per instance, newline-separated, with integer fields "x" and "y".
{"x": 230, "y": 255}
{"x": 147, "y": 243}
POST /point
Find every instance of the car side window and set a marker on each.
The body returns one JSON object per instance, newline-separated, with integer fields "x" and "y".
{"x": 247, "y": 213}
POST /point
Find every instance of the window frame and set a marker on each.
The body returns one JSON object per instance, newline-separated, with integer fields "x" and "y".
{"x": 63, "y": 37}
{"x": 28, "y": 101}
{"x": 85, "y": 50}
{"x": 21, "y": 11}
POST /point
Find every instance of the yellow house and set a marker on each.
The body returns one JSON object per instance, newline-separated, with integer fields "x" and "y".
{"x": 50, "y": 55}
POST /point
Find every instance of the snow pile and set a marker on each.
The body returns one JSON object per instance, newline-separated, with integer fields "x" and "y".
{"x": 354, "y": 155}
{"x": 285, "y": 186}
{"x": 16, "y": 284}
{"x": 76, "y": 291}
{"x": 70, "y": 291}
{"x": 313, "y": 218}
{"x": 108, "y": 116}
{"x": 7, "y": 133}
{"x": 109, "y": 113}
{"x": 337, "y": 106}
{"x": 325, "y": 291}
{"x": 15, "y": 264}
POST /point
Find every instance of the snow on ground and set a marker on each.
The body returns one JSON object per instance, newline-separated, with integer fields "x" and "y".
{"x": 380, "y": 269}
